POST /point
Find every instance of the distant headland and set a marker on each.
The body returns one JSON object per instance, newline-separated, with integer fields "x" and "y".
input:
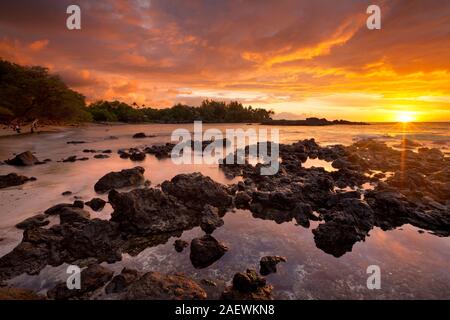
{"x": 311, "y": 122}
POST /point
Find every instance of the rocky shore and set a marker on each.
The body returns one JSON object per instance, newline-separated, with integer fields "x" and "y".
{"x": 373, "y": 186}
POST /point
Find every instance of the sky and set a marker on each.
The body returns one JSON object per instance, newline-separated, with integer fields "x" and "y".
{"x": 299, "y": 58}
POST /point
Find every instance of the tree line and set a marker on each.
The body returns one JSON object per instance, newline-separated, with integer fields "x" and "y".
{"x": 28, "y": 93}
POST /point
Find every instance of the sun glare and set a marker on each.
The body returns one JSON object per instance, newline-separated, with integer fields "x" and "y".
{"x": 405, "y": 117}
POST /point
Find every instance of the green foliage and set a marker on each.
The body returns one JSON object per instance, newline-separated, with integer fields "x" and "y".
{"x": 31, "y": 92}
{"x": 209, "y": 111}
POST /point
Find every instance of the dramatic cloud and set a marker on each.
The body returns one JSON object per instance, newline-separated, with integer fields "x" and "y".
{"x": 298, "y": 57}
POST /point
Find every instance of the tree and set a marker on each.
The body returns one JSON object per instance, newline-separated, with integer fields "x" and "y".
{"x": 32, "y": 92}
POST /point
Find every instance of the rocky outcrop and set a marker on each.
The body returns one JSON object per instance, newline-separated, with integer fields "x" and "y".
{"x": 13, "y": 179}
{"x": 158, "y": 286}
{"x": 150, "y": 211}
{"x": 195, "y": 190}
{"x": 122, "y": 179}
{"x": 38, "y": 220}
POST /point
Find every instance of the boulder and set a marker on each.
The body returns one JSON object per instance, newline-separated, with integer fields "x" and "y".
{"x": 150, "y": 211}
{"x": 122, "y": 179}
{"x": 96, "y": 204}
{"x": 205, "y": 251}
{"x": 139, "y": 135}
{"x": 248, "y": 286}
{"x": 23, "y": 159}
{"x": 268, "y": 264}
{"x": 180, "y": 245}
{"x": 195, "y": 190}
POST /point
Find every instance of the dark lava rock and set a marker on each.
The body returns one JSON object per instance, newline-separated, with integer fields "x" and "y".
{"x": 137, "y": 156}
{"x": 242, "y": 200}
{"x": 101, "y": 156}
{"x": 205, "y": 251}
{"x": 13, "y": 179}
{"x": 66, "y": 193}
{"x": 210, "y": 219}
{"x": 180, "y": 245}
{"x": 344, "y": 225}
{"x": 24, "y": 159}
{"x": 56, "y": 209}
{"x": 107, "y": 151}
{"x": 92, "y": 278}
{"x": 121, "y": 282}
{"x": 78, "y": 204}
{"x": 96, "y": 204}
{"x": 248, "y": 286}
{"x": 74, "y": 158}
{"x": 76, "y": 142}
{"x": 150, "y": 211}
{"x": 139, "y": 135}
{"x": 66, "y": 242}
{"x": 19, "y": 294}
{"x": 195, "y": 190}
{"x": 160, "y": 151}
{"x": 89, "y": 151}
{"x": 70, "y": 215}
{"x": 38, "y": 220}
{"x": 268, "y": 264}
{"x": 124, "y": 178}
{"x": 158, "y": 286}
{"x": 125, "y": 155}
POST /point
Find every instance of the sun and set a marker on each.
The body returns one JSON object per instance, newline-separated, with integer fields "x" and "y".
{"x": 405, "y": 117}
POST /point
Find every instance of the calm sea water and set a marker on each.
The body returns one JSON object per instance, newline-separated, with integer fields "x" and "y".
{"x": 413, "y": 265}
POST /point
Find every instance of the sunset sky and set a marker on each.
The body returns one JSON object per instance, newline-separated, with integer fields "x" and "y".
{"x": 297, "y": 57}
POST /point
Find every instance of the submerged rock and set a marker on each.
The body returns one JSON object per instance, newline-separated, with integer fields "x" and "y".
{"x": 180, "y": 245}
{"x": 205, "y": 251}
{"x": 122, "y": 179}
{"x": 13, "y": 179}
{"x": 268, "y": 264}
{"x": 248, "y": 286}
{"x": 139, "y": 135}
{"x": 23, "y": 159}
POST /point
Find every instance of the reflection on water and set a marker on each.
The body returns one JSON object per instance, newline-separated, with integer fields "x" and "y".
{"x": 413, "y": 265}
